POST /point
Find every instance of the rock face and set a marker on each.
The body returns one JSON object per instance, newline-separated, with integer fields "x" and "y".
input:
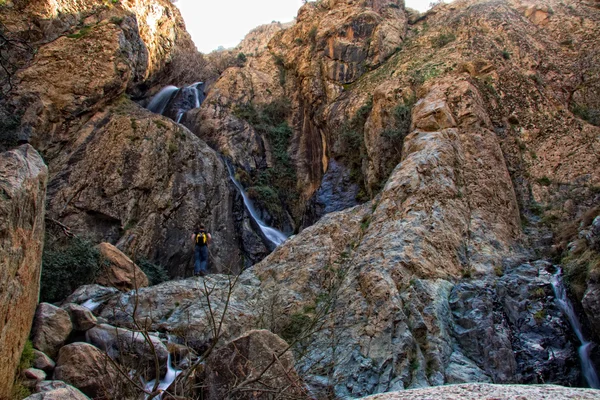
{"x": 22, "y": 206}
{"x": 250, "y": 364}
{"x": 483, "y": 391}
{"x": 144, "y": 183}
{"x": 51, "y": 328}
{"x": 121, "y": 272}
{"x": 88, "y": 369}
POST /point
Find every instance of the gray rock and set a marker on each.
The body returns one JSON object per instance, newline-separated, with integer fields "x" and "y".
{"x": 34, "y": 374}
{"x": 51, "y": 328}
{"x": 46, "y": 386}
{"x": 81, "y": 317}
{"x": 130, "y": 348}
{"x": 63, "y": 393}
{"x": 43, "y": 362}
{"x": 482, "y": 391}
{"x": 94, "y": 292}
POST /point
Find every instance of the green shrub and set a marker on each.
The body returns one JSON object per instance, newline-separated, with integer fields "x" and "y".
{"x": 156, "y": 274}
{"x": 241, "y": 57}
{"x": 27, "y": 356}
{"x": 591, "y": 115}
{"x": 296, "y": 326}
{"x": 67, "y": 263}
{"x": 82, "y": 32}
{"x": 544, "y": 181}
{"x": 505, "y": 54}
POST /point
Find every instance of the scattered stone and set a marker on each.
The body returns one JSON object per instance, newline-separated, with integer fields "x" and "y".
{"x": 34, "y": 374}
{"x": 81, "y": 317}
{"x": 51, "y": 328}
{"x": 43, "y": 362}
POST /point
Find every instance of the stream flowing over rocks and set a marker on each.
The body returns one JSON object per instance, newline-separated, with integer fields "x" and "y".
{"x": 399, "y": 202}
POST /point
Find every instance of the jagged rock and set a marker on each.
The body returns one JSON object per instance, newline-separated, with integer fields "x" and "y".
{"x": 486, "y": 391}
{"x": 81, "y": 317}
{"x": 121, "y": 272}
{"x": 130, "y": 348}
{"x": 56, "y": 390}
{"x": 243, "y": 368}
{"x": 51, "y": 328}
{"x": 43, "y": 362}
{"x": 22, "y": 205}
{"x": 88, "y": 369}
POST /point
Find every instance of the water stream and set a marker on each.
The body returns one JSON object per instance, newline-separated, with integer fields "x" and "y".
{"x": 587, "y": 367}
{"x": 167, "y": 381}
{"x": 274, "y": 236}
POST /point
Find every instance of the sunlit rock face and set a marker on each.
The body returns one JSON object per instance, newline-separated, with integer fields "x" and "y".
{"x": 22, "y": 205}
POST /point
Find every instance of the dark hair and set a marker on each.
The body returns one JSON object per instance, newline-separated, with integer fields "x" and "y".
{"x": 202, "y": 227}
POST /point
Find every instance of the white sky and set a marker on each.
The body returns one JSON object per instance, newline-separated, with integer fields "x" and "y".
{"x": 215, "y": 23}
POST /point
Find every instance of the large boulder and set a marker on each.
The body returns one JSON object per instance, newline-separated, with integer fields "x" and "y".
{"x": 88, "y": 369}
{"x": 51, "y": 328}
{"x": 22, "y": 205}
{"x": 255, "y": 365}
{"x": 121, "y": 272}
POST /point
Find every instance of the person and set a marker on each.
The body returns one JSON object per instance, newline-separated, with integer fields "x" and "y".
{"x": 201, "y": 239}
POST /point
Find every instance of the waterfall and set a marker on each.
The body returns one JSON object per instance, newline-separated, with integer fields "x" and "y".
{"x": 174, "y": 102}
{"x": 587, "y": 368}
{"x": 167, "y": 381}
{"x": 159, "y": 102}
{"x": 92, "y": 304}
{"x": 274, "y": 236}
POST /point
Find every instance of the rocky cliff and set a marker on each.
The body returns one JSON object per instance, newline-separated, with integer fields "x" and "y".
{"x": 22, "y": 206}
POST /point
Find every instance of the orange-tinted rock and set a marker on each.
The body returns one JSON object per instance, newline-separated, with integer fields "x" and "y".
{"x": 22, "y": 207}
{"x": 121, "y": 272}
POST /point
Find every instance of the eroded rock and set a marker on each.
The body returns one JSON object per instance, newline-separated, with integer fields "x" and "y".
{"x": 121, "y": 272}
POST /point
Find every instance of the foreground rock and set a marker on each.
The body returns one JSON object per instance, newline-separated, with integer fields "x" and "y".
{"x": 81, "y": 317}
{"x": 486, "y": 391}
{"x": 51, "y": 328}
{"x": 88, "y": 369}
{"x": 56, "y": 390}
{"x": 121, "y": 272}
{"x": 258, "y": 362}
{"x": 22, "y": 208}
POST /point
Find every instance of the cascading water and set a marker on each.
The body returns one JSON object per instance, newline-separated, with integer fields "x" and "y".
{"x": 167, "y": 381}
{"x": 174, "y": 102}
{"x": 274, "y": 236}
{"x": 587, "y": 368}
{"x": 91, "y": 304}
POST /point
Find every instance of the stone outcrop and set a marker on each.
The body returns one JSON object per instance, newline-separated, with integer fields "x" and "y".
{"x": 43, "y": 362}
{"x": 88, "y": 369}
{"x": 483, "y": 391}
{"x": 121, "y": 272}
{"x": 51, "y": 328}
{"x": 22, "y": 205}
{"x": 252, "y": 363}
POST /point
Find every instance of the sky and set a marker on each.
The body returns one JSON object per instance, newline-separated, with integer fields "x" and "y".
{"x": 225, "y": 22}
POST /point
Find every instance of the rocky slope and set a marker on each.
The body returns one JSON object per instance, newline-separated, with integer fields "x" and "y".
{"x": 23, "y": 188}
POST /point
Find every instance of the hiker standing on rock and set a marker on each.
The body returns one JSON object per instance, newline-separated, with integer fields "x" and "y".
{"x": 201, "y": 239}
